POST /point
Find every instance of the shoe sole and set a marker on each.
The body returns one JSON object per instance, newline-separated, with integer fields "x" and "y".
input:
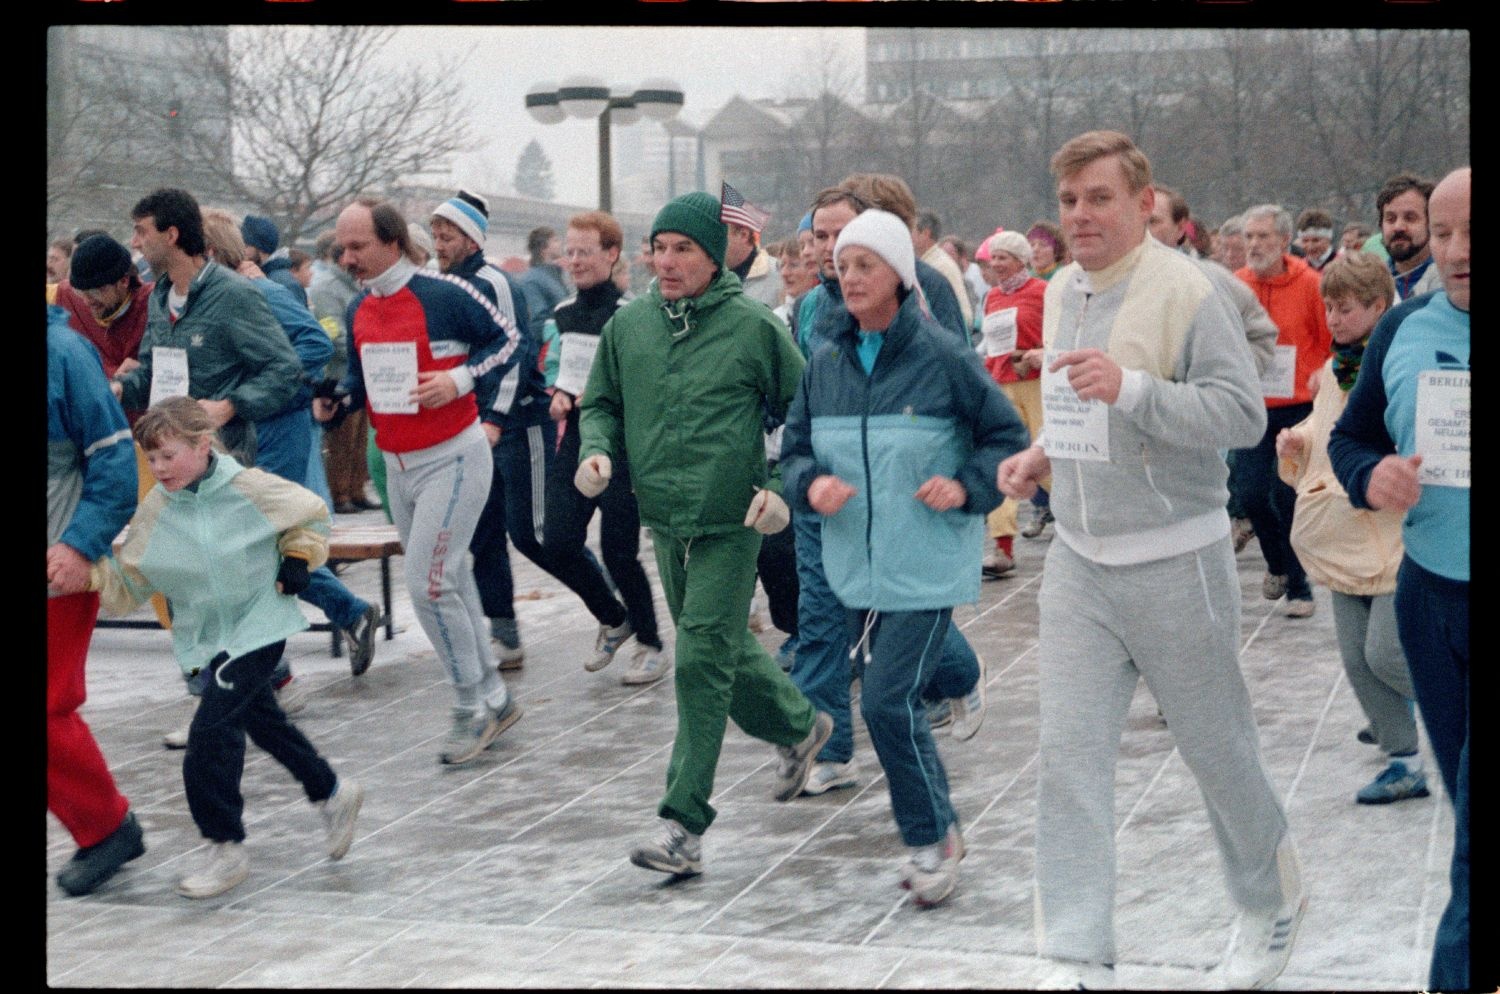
{"x": 812, "y": 790}
{"x": 634, "y": 679}
{"x": 1392, "y": 799}
{"x": 362, "y": 649}
{"x": 933, "y": 900}
{"x": 509, "y": 663}
{"x": 785, "y": 793}
{"x": 482, "y": 741}
{"x": 688, "y": 869}
{"x": 339, "y": 846}
{"x": 223, "y": 888}
{"x": 595, "y": 665}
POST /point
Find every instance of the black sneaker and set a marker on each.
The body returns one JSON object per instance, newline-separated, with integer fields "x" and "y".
{"x": 95, "y": 864}
{"x": 361, "y": 639}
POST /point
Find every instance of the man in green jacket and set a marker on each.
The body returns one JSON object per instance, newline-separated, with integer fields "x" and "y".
{"x": 681, "y": 381}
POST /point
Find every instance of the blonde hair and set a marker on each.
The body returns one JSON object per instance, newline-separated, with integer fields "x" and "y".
{"x": 174, "y": 417}
{"x": 221, "y": 233}
{"x": 1361, "y": 275}
{"x": 1090, "y": 146}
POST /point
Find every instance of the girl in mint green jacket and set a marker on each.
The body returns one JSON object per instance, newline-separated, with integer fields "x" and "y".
{"x": 228, "y": 546}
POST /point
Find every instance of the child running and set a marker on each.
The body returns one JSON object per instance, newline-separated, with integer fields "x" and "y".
{"x": 230, "y": 547}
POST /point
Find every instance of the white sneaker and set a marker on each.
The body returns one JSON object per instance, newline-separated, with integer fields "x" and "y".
{"x": 176, "y": 738}
{"x": 968, "y": 711}
{"x": 607, "y": 644}
{"x": 339, "y": 812}
{"x": 1076, "y": 975}
{"x": 1264, "y": 943}
{"x": 226, "y": 867}
{"x": 291, "y": 696}
{"x": 932, "y": 872}
{"x": 831, "y": 776}
{"x": 647, "y": 665}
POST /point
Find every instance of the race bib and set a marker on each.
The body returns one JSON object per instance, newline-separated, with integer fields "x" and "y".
{"x": 1072, "y": 428}
{"x": 1279, "y": 381}
{"x": 1000, "y": 332}
{"x": 390, "y": 370}
{"x": 169, "y": 373}
{"x": 575, "y": 361}
{"x": 1443, "y": 427}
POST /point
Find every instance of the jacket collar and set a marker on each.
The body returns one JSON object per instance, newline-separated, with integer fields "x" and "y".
{"x": 903, "y": 326}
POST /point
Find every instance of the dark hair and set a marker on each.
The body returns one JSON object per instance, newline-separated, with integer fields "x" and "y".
{"x": 1179, "y": 204}
{"x": 959, "y": 245}
{"x": 327, "y": 246}
{"x": 1314, "y": 217}
{"x": 930, "y": 223}
{"x": 390, "y": 225}
{"x": 829, "y": 196}
{"x": 86, "y": 233}
{"x": 1399, "y": 184}
{"x": 297, "y": 257}
{"x": 170, "y": 207}
{"x": 537, "y": 241}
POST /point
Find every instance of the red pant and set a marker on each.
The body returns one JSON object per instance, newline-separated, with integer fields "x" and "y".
{"x": 80, "y": 790}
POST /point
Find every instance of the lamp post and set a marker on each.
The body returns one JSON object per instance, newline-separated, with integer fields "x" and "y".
{"x": 585, "y": 97}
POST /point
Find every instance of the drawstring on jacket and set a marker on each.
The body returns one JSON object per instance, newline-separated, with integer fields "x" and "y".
{"x": 864, "y": 639}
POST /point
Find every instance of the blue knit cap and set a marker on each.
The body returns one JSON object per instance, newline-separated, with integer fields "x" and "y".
{"x": 469, "y": 212}
{"x": 805, "y": 224}
{"x": 260, "y": 232}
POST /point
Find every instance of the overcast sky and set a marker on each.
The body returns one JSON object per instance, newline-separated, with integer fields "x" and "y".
{"x": 709, "y": 64}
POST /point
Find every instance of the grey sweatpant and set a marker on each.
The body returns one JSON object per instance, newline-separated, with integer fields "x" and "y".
{"x": 1174, "y": 622}
{"x": 1376, "y": 667}
{"x": 435, "y": 497}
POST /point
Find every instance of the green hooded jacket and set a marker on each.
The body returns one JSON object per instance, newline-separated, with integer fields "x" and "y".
{"x": 684, "y": 399}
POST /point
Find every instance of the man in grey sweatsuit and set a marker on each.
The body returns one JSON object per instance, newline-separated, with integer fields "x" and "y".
{"x": 1142, "y": 582}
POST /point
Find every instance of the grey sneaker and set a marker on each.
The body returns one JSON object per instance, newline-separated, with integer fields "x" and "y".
{"x": 952, "y": 845}
{"x": 339, "y": 811}
{"x": 1038, "y": 523}
{"x": 291, "y": 696}
{"x": 225, "y": 868}
{"x": 1272, "y": 586}
{"x": 996, "y": 564}
{"x": 1241, "y": 531}
{"x": 939, "y": 713}
{"x": 968, "y": 711}
{"x": 647, "y": 665}
{"x": 1264, "y": 942}
{"x": 467, "y": 738}
{"x": 1396, "y": 782}
{"x": 95, "y": 864}
{"x": 797, "y": 760}
{"x": 932, "y": 872}
{"x": 676, "y": 851}
{"x": 831, "y": 776}
{"x": 607, "y": 644}
{"x": 507, "y": 638}
{"x": 1300, "y": 608}
{"x": 361, "y": 639}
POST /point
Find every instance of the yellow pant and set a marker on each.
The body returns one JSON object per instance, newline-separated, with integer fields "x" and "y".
{"x": 145, "y": 481}
{"x": 1026, "y": 396}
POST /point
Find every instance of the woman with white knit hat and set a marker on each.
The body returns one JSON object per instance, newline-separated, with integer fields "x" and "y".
{"x": 894, "y": 437}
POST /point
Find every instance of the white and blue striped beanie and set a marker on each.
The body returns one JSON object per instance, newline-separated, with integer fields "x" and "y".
{"x": 469, "y": 212}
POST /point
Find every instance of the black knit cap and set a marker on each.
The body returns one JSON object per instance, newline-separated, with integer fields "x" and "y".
{"x": 98, "y": 261}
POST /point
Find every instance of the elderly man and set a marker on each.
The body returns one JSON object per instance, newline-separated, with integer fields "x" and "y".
{"x": 1288, "y": 289}
{"x": 680, "y": 381}
{"x": 1403, "y": 442}
{"x": 1148, "y": 374}
{"x": 1315, "y": 237}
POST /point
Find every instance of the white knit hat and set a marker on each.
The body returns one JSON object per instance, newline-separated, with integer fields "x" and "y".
{"x": 887, "y": 236}
{"x": 469, "y": 212}
{"x": 1013, "y": 242}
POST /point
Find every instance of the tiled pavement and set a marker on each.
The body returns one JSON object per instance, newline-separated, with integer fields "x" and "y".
{"x": 513, "y": 873}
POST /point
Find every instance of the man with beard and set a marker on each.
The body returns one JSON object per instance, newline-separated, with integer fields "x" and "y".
{"x": 1402, "y": 206}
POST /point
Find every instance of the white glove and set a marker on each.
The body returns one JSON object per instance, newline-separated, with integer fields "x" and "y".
{"x": 768, "y": 513}
{"x": 593, "y": 475}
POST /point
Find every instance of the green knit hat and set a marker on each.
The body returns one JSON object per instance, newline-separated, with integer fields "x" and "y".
{"x": 697, "y": 216}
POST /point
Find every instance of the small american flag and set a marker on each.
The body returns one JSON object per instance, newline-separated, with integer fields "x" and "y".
{"x": 735, "y": 209}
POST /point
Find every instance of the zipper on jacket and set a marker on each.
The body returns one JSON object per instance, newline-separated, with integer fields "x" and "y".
{"x": 1083, "y": 504}
{"x": 205, "y": 542}
{"x": 1146, "y": 464}
{"x": 864, "y": 448}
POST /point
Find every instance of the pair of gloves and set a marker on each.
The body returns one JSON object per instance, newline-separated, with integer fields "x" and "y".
{"x": 768, "y": 513}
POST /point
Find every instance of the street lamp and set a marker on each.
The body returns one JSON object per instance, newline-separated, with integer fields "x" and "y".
{"x": 586, "y": 96}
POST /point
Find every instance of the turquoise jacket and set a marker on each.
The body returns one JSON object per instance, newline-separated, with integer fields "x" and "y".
{"x": 214, "y": 553}
{"x": 927, "y": 408}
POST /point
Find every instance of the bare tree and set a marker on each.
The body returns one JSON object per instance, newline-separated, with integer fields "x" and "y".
{"x": 316, "y": 118}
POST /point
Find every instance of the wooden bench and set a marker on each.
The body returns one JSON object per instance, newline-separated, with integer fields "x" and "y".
{"x": 346, "y": 544}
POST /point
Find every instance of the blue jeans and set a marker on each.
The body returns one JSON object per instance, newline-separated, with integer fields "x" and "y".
{"x": 317, "y": 478}
{"x": 1269, "y": 502}
{"x": 906, "y": 653}
{"x": 821, "y": 669}
{"x": 1432, "y": 615}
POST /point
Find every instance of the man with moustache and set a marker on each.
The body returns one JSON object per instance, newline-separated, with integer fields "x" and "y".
{"x": 1402, "y": 207}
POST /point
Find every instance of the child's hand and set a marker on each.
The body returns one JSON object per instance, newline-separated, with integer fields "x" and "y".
{"x": 292, "y": 578}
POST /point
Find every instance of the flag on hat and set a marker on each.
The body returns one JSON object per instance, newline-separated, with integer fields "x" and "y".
{"x": 735, "y": 209}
